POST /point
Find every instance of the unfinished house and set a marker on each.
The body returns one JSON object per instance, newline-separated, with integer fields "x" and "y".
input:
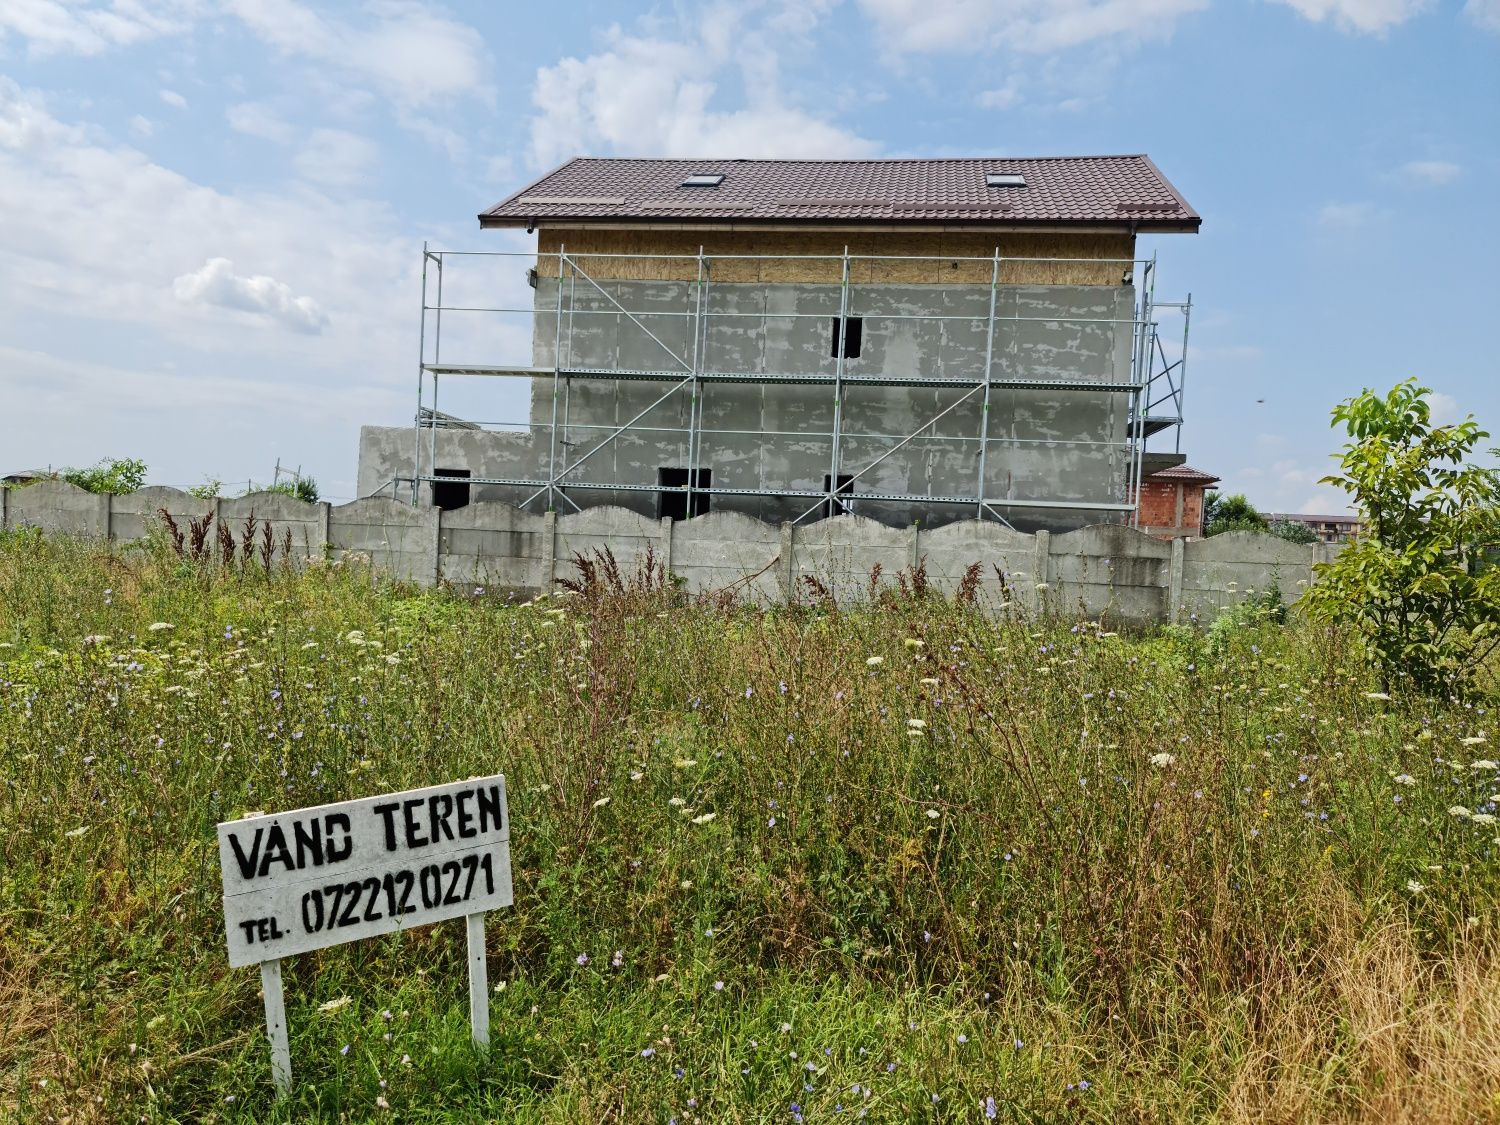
{"x": 908, "y": 340}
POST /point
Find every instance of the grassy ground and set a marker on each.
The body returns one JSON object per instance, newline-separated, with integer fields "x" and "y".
{"x": 905, "y": 863}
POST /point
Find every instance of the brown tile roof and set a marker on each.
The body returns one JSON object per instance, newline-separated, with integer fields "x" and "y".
{"x": 1060, "y": 190}
{"x": 1185, "y": 474}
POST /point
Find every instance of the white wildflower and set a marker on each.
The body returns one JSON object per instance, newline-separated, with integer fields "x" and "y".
{"x": 310, "y": 644}
{"x": 355, "y": 636}
{"x": 74, "y": 833}
{"x": 705, "y": 818}
{"x": 1377, "y": 695}
{"x": 916, "y": 724}
{"x": 685, "y": 763}
{"x": 1460, "y": 812}
{"x": 875, "y": 661}
{"x": 676, "y": 802}
{"x": 159, "y": 626}
{"x": 1163, "y": 760}
{"x": 335, "y": 1004}
{"x": 933, "y": 814}
{"x": 601, "y": 802}
{"x": 1483, "y": 818}
{"x": 636, "y": 775}
{"x": 1415, "y": 887}
{"x": 1473, "y": 740}
{"x": 1483, "y": 764}
{"x": 928, "y": 681}
{"x": 914, "y": 643}
{"x": 1042, "y": 586}
{"x": 1404, "y": 779}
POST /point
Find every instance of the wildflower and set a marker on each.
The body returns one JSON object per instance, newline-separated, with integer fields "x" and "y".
{"x": 1163, "y": 760}
{"x": 1415, "y": 887}
{"x": 914, "y": 643}
{"x": 647, "y": 1052}
{"x": 771, "y": 822}
{"x": 916, "y": 724}
{"x": 929, "y": 681}
{"x": 1376, "y": 695}
{"x": 617, "y": 960}
{"x": 74, "y": 833}
{"x": 990, "y": 1111}
{"x": 1483, "y": 818}
{"x": 1473, "y": 740}
{"x": 381, "y": 1103}
{"x": 581, "y": 959}
{"x": 1404, "y": 779}
{"x": 335, "y": 1004}
{"x": 1483, "y": 764}
{"x": 874, "y": 661}
{"x": 962, "y": 1038}
{"x": 933, "y": 814}
{"x": 705, "y": 818}
{"x": 159, "y": 626}
{"x": 1460, "y": 812}
{"x": 676, "y": 802}
{"x": 355, "y": 636}
{"x": 1042, "y": 586}
{"x": 685, "y": 763}
{"x": 718, "y": 986}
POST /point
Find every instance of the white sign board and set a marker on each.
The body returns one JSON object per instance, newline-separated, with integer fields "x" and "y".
{"x": 302, "y": 880}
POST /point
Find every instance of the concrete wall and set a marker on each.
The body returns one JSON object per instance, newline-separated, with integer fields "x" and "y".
{"x": 1106, "y": 569}
{"x": 1063, "y": 445}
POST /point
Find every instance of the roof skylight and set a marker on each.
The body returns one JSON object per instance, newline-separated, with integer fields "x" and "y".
{"x": 1004, "y": 179}
{"x": 703, "y": 179}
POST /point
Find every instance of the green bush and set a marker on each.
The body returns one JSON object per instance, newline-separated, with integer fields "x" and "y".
{"x": 113, "y": 475}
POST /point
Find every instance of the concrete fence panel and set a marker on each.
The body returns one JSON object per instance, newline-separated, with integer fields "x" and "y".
{"x": 396, "y": 538}
{"x": 492, "y": 545}
{"x": 136, "y": 514}
{"x": 1109, "y": 569}
{"x": 951, "y": 549}
{"x": 1225, "y": 570}
{"x": 284, "y": 513}
{"x": 57, "y": 506}
{"x": 722, "y": 549}
{"x": 841, "y": 553}
{"x": 624, "y": 533}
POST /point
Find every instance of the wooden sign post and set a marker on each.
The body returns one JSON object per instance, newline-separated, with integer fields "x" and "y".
{"x": 302, "y": 880}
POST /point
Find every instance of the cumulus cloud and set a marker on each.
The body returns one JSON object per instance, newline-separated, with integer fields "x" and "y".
{"x": 1434, "y": 173}
{"x": 659, "y": 94}
{"x": 217, "y": 284}
{"x": 1363, "y": 17}
{"x": 1485, "y": 13}
{"x": 336, "y": 158}
{"x": 64, "y": 27}
{"x": 414, "y": 53}
{"x": 922, "y": 26}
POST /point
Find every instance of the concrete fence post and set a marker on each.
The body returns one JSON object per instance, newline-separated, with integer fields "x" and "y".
{"x": 786, "y": 574}
{"x": 666, "y": 543}
{"x": 4, "y": 507}
{"x": 218, "y": 512}
{"x": 325, "y": 510}
{"x": 1174, "y": 581}
{"x": 916, "y": 544}
{"x": 109, "y": 517}
{"x": 432, "y": 568}
{"x": 549, "y": 551}
{"x": 1041, "y": 568}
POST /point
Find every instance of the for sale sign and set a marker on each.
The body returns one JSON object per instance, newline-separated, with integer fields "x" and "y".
{"x": 297, "y": 881}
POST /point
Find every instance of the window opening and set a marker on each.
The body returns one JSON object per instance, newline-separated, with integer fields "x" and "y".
{"x": 703, "y": 179}
{"x": 450, "y": 494}
{"x": 854, "y": 337}
{"x": 837, "y": 507}
{"x": 1004, "y": 179}
{"x": 674, "y": 505}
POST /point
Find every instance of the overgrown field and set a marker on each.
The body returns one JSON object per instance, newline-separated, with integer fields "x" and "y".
{"x": 912, "y": 863}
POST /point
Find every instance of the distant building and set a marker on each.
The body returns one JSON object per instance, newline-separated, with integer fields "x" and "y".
{"x": 1172, "y": 497}
{"x": 1330, "y": 529}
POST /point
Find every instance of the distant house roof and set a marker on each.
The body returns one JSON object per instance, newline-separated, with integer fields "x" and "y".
{"x": 1183, "y": 474}
{"x": 1095, "y": 191}
{"x": 1304, "y": 517}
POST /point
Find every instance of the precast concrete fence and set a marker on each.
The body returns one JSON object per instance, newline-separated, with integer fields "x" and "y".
{"x": 1106, "y": 569}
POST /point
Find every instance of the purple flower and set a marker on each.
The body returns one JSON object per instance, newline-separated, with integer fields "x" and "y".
{"x": 582, "y": 959}
{"x": 990, "y": 1109}
{"x": 647, "y": 1052}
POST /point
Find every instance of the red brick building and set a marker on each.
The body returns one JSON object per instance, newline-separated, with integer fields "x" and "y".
{"x": 1172, "y": 501}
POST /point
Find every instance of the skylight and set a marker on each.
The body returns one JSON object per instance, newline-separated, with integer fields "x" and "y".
{"x": 1004, "y": 179}
{"x": 704, "y": 179}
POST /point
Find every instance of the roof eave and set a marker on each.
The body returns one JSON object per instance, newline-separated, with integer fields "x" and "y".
{"x": 488, "y": 221}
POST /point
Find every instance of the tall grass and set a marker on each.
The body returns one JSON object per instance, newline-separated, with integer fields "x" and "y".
{"x": 911, "y": 860}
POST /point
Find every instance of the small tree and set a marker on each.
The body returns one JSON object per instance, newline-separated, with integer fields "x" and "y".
{"x": 115, "y": 475}
{"x": 1230, "y": 513}
{"x": 1410, "y": 582}
{"x": 1293, "y": 531}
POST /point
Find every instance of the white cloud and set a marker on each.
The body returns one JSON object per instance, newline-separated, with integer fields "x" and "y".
{"x": 1364, "y": 17}
{"x": 1485, "y": 13}
{"x": 336, "y": 158}
{"x": 217, "y": 284}
{"x": 69, "y": 27}
{"x": 141, "y": 126}
{"x": 255, "y": 119}
{"x": 1348, "y": 216}
{"x": 172, "y": 98}
{"x": 1002, "y": 97}
{"x": 1040, "y": 26}
{"x": 414, "y": 53}
{"x": 1434, "y": 173}
{"x": 657, "y": 94}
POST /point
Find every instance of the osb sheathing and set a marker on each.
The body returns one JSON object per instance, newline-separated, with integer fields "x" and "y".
{"x": 936, "y": 258}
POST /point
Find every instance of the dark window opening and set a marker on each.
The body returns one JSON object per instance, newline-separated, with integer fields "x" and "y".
{"x": 448, "y": 495}
{"x": 674, "y": 505}
{"x": 837, "y": 507}
{"x": 854, "y": 337}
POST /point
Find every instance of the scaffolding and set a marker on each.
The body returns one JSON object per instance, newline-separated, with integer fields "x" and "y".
{"x": 1153, "y": 392}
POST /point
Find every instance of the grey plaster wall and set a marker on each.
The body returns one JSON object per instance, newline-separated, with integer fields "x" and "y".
{"x": 1043, "y": 444}
{"x": 1106, "y": 569}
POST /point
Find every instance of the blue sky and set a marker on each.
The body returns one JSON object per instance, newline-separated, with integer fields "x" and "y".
{"x": 211, "y": 211}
